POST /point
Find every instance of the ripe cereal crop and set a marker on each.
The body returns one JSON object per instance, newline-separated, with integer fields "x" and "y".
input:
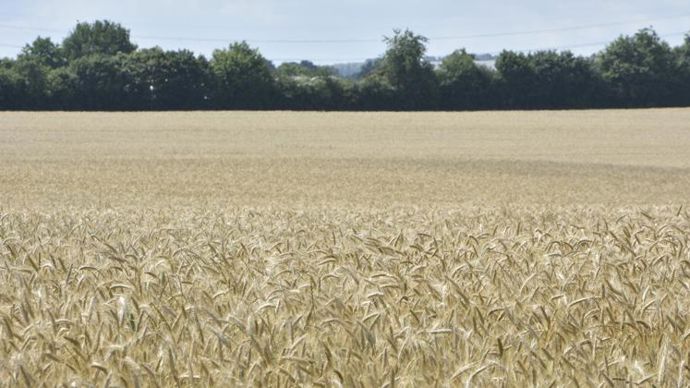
{"x": 345, "y": 249}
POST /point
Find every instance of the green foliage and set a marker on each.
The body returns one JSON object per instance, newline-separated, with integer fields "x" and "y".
{"x": 242, "y": 78}
{"x": 33, "y": 75}
{"x": 34, "y": 66}
{"x": 304, "y": 69}
{"x": 517, "y": 78}
{"x": 305, "y": 85}
{"x": 12, "y": 90}
{"x": 62, "y": 88}
{"x": 404, "y": 58}
{"x": 168, "y": 79}
{"x": 376, "y": 93}
{"x": 313, "y": 93}
{"x": 406, "y": 70}
{"x": 547, "y": 79}
{"x": 464, "y": 84}
{"x": 44, "y": 51}
{"x": 682, "y": 59}
{"x": 100, "y": 82}
{"x": 100, "y": 37}
{"x": 98, "y": 67}
{"x": 369, "y": 68}
{"x": 639, "y": 68}
{"x": 563, "y": 80}
{"x": 683, "y": 54}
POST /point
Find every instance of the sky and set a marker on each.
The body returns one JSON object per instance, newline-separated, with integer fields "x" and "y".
{"x": 330, "y": 31}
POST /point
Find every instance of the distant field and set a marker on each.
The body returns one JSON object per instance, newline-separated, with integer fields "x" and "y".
{"x": 252, "y": 159}
{"x": 353, "y": 249}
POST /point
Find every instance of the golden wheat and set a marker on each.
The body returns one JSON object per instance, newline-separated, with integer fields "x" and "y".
{"x": 237, "y": 249}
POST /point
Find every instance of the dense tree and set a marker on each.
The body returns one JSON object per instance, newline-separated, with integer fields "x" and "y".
{"x": 12, "y": 92}
{"x": 464, "y": 84}
{"x": 242, "y": 78}
{"x": 100, "y": 82}
{"x": 33, "y": 76}
{"x": 563, "y": 80}
{"x": 45, "y": 52}
{"x": 304, "y": 69}
{"x": 168, "y": 79}
{"x": 62, "y": 84}
{"x": 98, "y": 67}
{"x": 100, "y": 37}
{"x": 683, "y": 54}
{"x": 305, "y": 85}
{"x": 32, "y": 70}
{"x": 547, "y": 79}
{"x": 375, "y": 93}
{"x": 682, "y": 63}
{"x": 517, "y": 80}
{"x": 639, "y": 69}
{"x": 313, "y": 93}
{"x": 405, "y": 68}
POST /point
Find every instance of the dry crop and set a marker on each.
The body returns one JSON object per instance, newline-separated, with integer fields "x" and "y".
{"x": 159, "y": 261}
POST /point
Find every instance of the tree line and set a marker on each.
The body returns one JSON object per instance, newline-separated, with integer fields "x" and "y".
{"x": 97, "y": 67}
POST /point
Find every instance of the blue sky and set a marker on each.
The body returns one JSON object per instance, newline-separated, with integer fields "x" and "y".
{"x": 280, "y": 27}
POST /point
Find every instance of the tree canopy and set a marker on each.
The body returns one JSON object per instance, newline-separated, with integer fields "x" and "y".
{"x": 242, "y": 78}
{"x": 44, "y": 52}
{"x": 463, "y": 83}
{"x": 405, "y": 68}
{"x": 100, "y": 37}
{"x": 639, "y": 68}
{"x": 98, "y": 67}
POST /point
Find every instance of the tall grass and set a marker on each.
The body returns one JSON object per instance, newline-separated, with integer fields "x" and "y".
{"x": 312, "y": 249}
{"x": 405, "y": 297}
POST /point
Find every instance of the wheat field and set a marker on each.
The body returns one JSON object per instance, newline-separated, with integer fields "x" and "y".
{"x": 345, "y": 249}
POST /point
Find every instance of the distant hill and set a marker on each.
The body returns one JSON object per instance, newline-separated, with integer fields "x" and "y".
{"x": 349, "y": 70}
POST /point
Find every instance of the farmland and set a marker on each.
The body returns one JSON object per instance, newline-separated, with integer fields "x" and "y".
{"x": 353, "y": 249}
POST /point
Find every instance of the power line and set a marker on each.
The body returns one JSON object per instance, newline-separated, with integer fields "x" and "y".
{"x": 558, "y": 48}
{"x": 29, "y": 28}
{"x": 580, "y": 45}
{"x": 265, "y": 41}
{"x": 457, "y": 37}
{"x": 561, "y": 29}
{"x": 494, "y": 53}
{"x": 345, "y": 41}
{"x": 10, "y": 45}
